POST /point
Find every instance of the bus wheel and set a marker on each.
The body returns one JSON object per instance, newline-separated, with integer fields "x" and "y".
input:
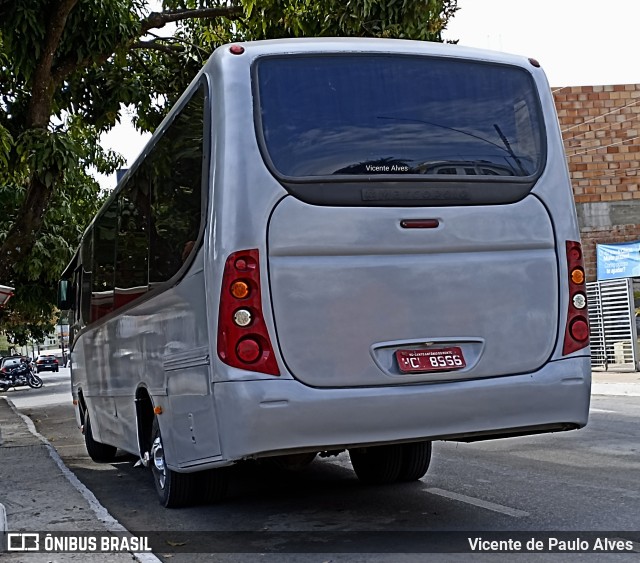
{"x": 98, "y": 452}
{"x": 377, "y": 465}
{"x": 212, "y": 484}
{"x": 174, "y": 489}
{"x": 416, "y": 458}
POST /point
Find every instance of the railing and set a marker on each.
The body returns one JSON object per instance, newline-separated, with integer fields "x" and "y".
{"x": 612, "y": 324}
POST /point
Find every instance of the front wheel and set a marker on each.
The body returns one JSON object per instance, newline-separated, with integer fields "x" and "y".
{"x": 174, "y": 489}
{"x": 34, "y": 381}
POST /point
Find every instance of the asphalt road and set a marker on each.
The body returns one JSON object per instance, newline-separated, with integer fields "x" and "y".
{"x": 581, "y": 481}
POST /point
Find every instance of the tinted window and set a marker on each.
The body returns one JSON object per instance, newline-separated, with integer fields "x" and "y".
{"x": 132, "y": 245}
{"x": 104, "y": 238}
{"x": 380, "y": 115}
{"x": 176, "y": 191}
{"x": 149, "y": 230}
{"x": 86, "y": 255}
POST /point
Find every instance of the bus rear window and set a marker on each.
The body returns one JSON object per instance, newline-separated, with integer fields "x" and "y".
{"x": 373, "y": 115}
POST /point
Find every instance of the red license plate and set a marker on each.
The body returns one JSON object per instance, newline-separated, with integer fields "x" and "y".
{"x": 437, "y": 359}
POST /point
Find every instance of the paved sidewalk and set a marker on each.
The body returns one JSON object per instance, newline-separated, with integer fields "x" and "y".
{"x": 625, "y": 383}
{"x": 39, "y": 493}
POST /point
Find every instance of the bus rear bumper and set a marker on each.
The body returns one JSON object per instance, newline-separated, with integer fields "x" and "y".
{"x": 262, "y": 418}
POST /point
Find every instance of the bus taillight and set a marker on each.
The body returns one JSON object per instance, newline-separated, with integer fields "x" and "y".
{"x": 576, "y": 335}
{"x": 243, "y": 339}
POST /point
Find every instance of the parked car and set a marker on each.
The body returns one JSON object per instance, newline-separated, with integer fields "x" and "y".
{"x": 46, "y": 363}
{"x": 7, "y": 363}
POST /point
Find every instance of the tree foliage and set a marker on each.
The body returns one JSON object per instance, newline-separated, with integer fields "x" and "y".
{"x": 69, "y": 67}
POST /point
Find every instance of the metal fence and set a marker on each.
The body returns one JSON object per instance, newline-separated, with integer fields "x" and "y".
{"x": 612, "y": 324}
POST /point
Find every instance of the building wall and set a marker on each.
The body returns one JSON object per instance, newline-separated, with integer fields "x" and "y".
{"x": 601, "y": 131}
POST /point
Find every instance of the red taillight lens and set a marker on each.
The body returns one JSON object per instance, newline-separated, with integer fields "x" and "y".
{"x": 241, "y": 344}
{"x": 576, "y": 335}
{"x": 248, "y": 350}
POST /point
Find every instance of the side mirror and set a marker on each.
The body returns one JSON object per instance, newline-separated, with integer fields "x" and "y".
{"x": 65, "y": 295}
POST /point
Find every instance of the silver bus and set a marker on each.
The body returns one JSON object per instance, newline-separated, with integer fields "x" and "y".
{"x": 333, "y": 245}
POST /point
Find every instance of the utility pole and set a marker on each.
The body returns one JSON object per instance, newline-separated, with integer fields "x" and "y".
{"x": 64, "y": 356}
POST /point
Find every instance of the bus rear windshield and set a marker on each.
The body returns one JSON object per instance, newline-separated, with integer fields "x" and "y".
{"x": 372, "y": 115}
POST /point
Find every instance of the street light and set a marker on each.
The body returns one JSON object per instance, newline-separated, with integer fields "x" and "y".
{"x": 6, "y": 293}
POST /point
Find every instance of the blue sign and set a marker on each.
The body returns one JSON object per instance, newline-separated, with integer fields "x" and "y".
{"x": 618, "y": 260}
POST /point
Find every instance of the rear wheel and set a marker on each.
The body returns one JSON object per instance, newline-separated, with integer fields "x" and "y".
{"x": 174, "y": 489}
{"x": 416, "y": 458}
{"x": 98, "y": 452}
{"x": 378, "y": 465}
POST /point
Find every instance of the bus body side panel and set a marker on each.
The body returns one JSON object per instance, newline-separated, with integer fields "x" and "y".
{"x": 162, "y": 345}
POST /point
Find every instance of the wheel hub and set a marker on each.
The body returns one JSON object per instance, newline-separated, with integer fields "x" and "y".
{"x": 157, "y": 455}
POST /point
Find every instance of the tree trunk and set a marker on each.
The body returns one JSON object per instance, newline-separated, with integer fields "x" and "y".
{"x": 22, "y": 235}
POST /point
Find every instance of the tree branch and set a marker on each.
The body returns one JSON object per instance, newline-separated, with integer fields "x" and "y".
{"x": 39, "y": 110}
{"x": 170, "y": 49}
{"x": 160, "y": 19}
{"x": 154, "y": 20}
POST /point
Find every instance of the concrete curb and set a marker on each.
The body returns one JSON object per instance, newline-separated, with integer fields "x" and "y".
{"x": 3, "y": 527}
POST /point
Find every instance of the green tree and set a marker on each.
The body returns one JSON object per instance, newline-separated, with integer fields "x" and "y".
{"x": 69, "y": 67}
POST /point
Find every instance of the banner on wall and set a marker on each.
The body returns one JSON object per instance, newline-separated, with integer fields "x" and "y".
{"x": 618, "y": 260}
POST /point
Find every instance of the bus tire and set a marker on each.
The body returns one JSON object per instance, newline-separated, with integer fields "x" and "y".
{"x": 378, "y": 465}
{"x": 174, "y": 489}
{"x": 212, "y": 485}
{"x": 416, "y": 458}
{"x": 98, "y": 452}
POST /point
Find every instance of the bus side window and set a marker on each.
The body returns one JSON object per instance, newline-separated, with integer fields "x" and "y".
{"x": 132, "y": 241}
{"x": 104, "y": 235}
{"x": 84, "y": 304}
{"x": 176, "y": 168}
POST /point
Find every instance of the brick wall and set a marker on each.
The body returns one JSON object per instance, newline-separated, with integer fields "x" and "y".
{"x": 601, "y": 131}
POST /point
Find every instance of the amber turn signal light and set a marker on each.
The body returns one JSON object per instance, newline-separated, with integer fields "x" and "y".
{"x": 240, "y": 289}
{"x": 577, "y": 276}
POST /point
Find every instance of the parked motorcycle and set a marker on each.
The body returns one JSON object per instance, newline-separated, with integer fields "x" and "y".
{"x": 21, "y": 375}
